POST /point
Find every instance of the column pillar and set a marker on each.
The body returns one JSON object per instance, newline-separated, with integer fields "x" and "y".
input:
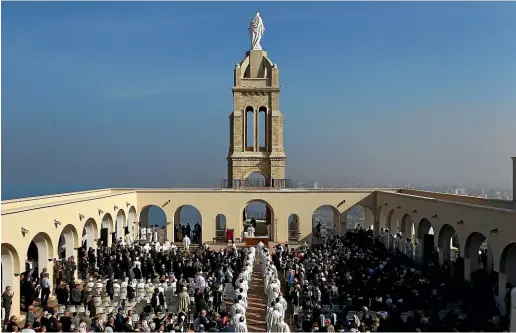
{"x": 502, "y": 280}
{"x": 467, "y": 268}
{"x": 16, "y": 289}
{"x": 256, "y": 142}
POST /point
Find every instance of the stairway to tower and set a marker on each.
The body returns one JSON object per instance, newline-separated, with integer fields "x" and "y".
{"x": 256, "y": 302}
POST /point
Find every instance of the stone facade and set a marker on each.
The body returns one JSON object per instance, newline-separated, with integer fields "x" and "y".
{"x": 256, "y": 89}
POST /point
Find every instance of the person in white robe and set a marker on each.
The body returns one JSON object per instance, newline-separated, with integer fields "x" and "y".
{"x": 250, "y": 232}
{"x": 143, "y": 233}
{"x": 149, "y": 234}
{"x": 282, "y": 326}
{"x": 279, "y": 307}
{"x": 273, "y": 294}
{"x": 241, "y": 326}
{"x": 283, "y": 303}
{"x": 200, "y": 282}
{"x": 186, "y": 243}
{"x": 243, "y": 294}
{"x": 155, "y": 235}
{"x": 157, "y": 247}
{"x": 237, "y": 317}
{"x": 272, "y": 325}
{"x": 166, "y": 246}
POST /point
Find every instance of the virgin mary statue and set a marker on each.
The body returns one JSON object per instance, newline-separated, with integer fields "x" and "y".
{"x": 256, "y": 30}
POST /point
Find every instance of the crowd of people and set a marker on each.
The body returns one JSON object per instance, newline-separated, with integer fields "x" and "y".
{"x": 149, "y": 287}
{"x": 353, "y": 283}
{"x": 195, "y": 233}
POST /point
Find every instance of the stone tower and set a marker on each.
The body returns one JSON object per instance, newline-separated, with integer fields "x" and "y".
{"x": 256, "y": 90}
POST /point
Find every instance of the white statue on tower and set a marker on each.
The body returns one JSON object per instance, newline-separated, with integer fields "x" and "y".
{"x": 256, "y": 30}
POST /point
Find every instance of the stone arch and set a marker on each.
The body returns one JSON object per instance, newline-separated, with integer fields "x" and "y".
{"x": 132, "y": 220}
{"x": 107, "y": 230}
{"x": 444, "y": 241}
{"x": 293, "y": 227}
{"x": 407, "y": 235}
{"x": 194, "y": 222}
{"x": 44, "y": 249}
{"x": 220, "y": 226}
{"x": 508, "y": 263}
{"x": 266, "y": 224}
{"x": 360, "y": 215}
{"x": 424, "y": 227}
{"x": 471, "y": 253}
{"x": 10, "y": 266}
{"x": 154, "y": 220}
{"x": 326, "y": 218}
{"x": 70, "y": 237}
{"x": 91, "y": 233}
{"x": 256, "y": 178}
{"x": 120, "y": 224}
{"x": 382, "y": 217}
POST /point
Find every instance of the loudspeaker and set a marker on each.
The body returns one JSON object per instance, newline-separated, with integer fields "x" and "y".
{"x": 428, "y": 246}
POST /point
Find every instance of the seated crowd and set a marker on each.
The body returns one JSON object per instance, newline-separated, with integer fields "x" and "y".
{"x": 353, "y": 283}
{"x": 135, "y": 288}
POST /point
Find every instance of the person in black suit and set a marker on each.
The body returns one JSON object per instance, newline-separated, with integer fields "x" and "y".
{"x": 7, "y": 301}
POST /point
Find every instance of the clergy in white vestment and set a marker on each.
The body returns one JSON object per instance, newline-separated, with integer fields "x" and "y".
{"x": 279, "y": 307}
{"x": 169, "y": 295}
{"x": 241, "y": 326}
{"x": 184, "y": 300}
{"x": 283, "y": 303}
{"x": 143, "y": 233}
{"x": 237, "y": 317}
{"x": 282, "y": 326}
{"x": 268, "y": 316}
{"x": 186, "y": 243}
{"x": 250, "y": 232}
{"x": 155, "y": 235}
{"x": 273, "y": 321}
{"x": 149, "y": 234}
{"x": 200, "y": 282}
{"x": 157, "y": 247}
{"x": 243, "y": 284}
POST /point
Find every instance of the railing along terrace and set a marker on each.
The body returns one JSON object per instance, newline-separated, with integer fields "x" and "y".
{"x": 257, "y": 184}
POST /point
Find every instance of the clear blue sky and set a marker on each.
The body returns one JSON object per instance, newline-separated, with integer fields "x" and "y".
{"x": 99, "y": 94}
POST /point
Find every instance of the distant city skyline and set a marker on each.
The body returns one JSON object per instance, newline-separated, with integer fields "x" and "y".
{"x": 134, "y": 94}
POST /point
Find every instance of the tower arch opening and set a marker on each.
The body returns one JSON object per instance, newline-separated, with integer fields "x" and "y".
{"x": 249, "y": 128}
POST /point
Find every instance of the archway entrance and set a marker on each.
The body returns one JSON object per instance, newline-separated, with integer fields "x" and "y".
{"x": 153, "y": 225}
{"x": 188, "y": 221}
{"x": 68, "y": 242}
{"x": 478, "y": 254}
{"x": 10, "y": 268}
{"x": 89, "y": 234}
{"x": 293, "y": 227}
{"x": 121, "y": 225}
{"x": 220, "y": 227}
{"x": 259, "y": 214}
{"x": 107, "y": 232}
{"x": 407, "y": 236}
{"x": 39, "y": 253}
{"x": 132, "y": 223}
{"x": 359, "y": 217}
{"x": 425, "y": 240}
{"x": 448, "y": 245}
{"x": 325, "y": 220}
